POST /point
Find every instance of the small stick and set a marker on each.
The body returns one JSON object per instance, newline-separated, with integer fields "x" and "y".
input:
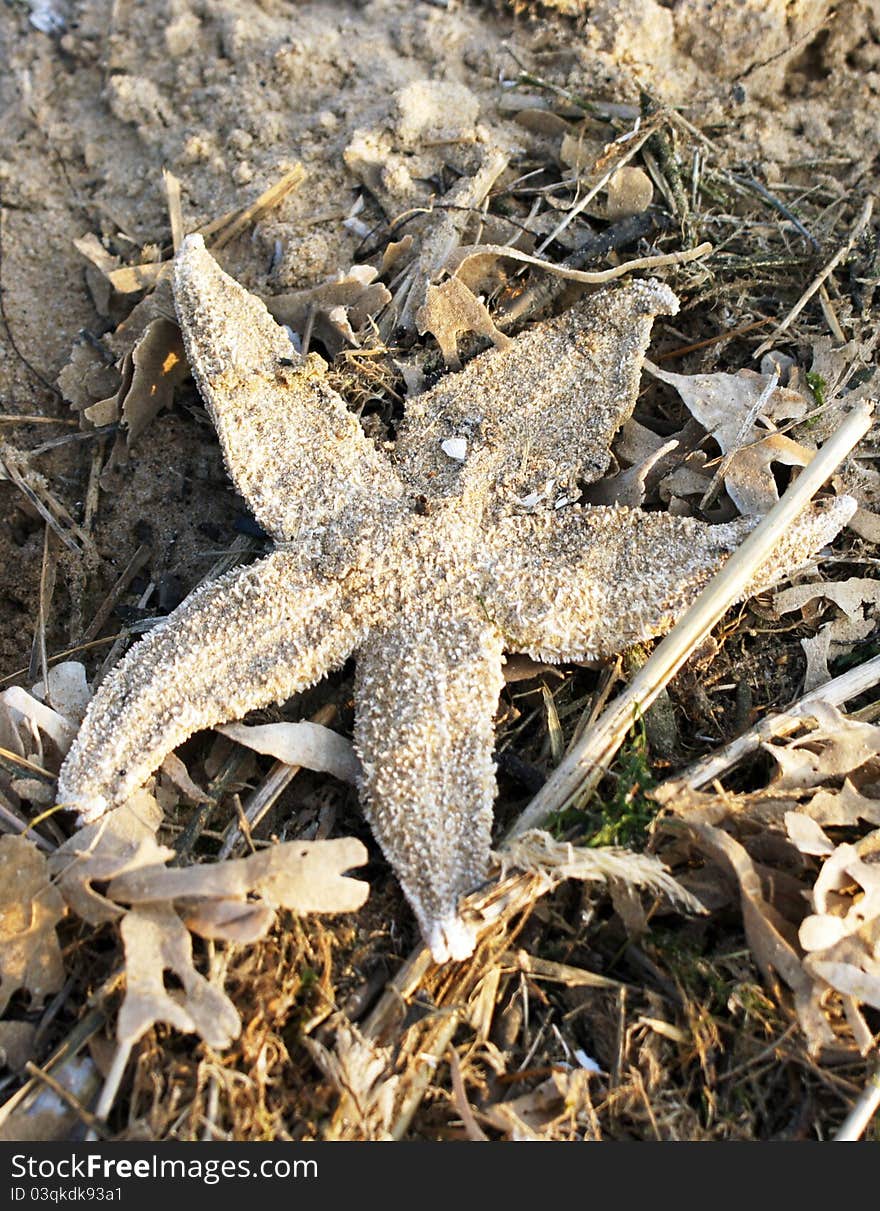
{"x": 90, "y": 1120}
{"x": 727, "y": 335}
{"x": 39, "y": 664}
{"x": 128, "y": 573}
{"x": 704, "y": 772}
{"x": 858, "y": 1119}
{"x": 79, "y": 1035}
{"x": 539, "y": 294}
{"x": 10, "y": 418}
{"x": 111, "y": 1083}
{"x": 10, "y": 821}
{"x": 32, "y": 484}
{"x": 175, "y": 214}
{"x": 586, "y": 764}
{"x": 779, "y": 207}
{"x": 855, "y": 235}
{"x": 265, "y": 202}
{"x": 831, "y": 315}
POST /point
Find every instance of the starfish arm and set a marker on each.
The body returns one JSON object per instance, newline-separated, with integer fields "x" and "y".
{"x": 249, "y": 639}
{"x": 537, "y": 417}
{"x": 426, "y": 692}
{"x": 588, "y": 582}
{"x": 294, "y": 451}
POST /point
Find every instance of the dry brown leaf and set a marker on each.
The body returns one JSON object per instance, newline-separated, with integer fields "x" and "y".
{"x": 30, "y": 908}
{"x": 816, "y": 650}
{"x": 851, "y": 963}
{"x": 844, "y": 806}
{"x": 339, "y": 307}
{"x": 836, "y": 746}
{"x": 16, "y": 1044}
{"x": 123, "y": 840}
{"x": 866, "y": 524}
{"x": 627, "y": 488}
{"x": 452, "y": 309}
{"x": 629, "y": 192}
{"x": 228, "y": 920}
{"x": 149, "y": 362}
{"x": 158, "y": 365}
{"x": 310, "y": 745}
{"x": 728, "y": 407}
{"x": 767, "y": 932}
{"x": 395, "y": 254}
{"x": 806, "y": 834}
{"x": 27, "y": 717}
{"x": 306, "y": 876}
{"x": 532, "y": 1115}
{"x": 854, "y": 596}
{"x": 156, "y": 941}
{"x": 68, "y": 690}
{"x": 858, "y": 598}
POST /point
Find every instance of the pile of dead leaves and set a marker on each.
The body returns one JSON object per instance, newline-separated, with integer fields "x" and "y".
{"x": 801, "y": 854}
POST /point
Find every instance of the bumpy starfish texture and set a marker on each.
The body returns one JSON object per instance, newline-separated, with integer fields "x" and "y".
{"x": 428, "y": 564}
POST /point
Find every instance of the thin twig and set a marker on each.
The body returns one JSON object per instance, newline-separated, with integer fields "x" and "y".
{"x": 858, "y": 1119}
{"x": 848, "y": 685}
{"x": 632, "y": 148}
{"x": 70, "y": 1099}
{"x": 855, "y": 235}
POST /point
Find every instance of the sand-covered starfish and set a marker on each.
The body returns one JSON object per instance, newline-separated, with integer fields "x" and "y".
{"x": 427, "y": 562}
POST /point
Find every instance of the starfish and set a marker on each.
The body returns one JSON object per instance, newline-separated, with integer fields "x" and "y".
{"x": 427, "y": 561}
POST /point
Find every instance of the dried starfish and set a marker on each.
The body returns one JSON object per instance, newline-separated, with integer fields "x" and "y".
{"x": 427, "y": 564}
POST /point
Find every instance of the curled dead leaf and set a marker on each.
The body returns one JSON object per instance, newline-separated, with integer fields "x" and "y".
{"x": 339, "y": 307}
{"x": 306, "y": 876}
{"x": 30, "y": 908}
{"x": 310, "y": 745}
{"x": 452, "y": 309}
{"x": 124, "y": 840}
{"x": 156, "y": 941}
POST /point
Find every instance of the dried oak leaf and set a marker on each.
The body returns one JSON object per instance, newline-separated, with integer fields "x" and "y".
{"x": 306, "y": 744}
{"x": 837, "y": 745}
{"x": 851, "y": 967}
{"x": 841, "y": 807}
{"x": 30, "y": 907}
{"x": 728, "y": 407}
{"x": 339, "y": 307}
{"x": 158, "y": 364}
{"x": 27, "y": 719}
{"x": 452, "y": 309}
{"x": 17, "y": 1044}
{"x": 767, "y": 932}
{"x": 123, "y": 840}
{"x": 156, "y": 941}
{"x": 306, "y": 876}
{"x": 858, "y": 598}
{"x": 150, "y": 363}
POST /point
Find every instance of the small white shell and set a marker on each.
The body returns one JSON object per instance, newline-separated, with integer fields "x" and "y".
{"x": 455, "y": 447}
